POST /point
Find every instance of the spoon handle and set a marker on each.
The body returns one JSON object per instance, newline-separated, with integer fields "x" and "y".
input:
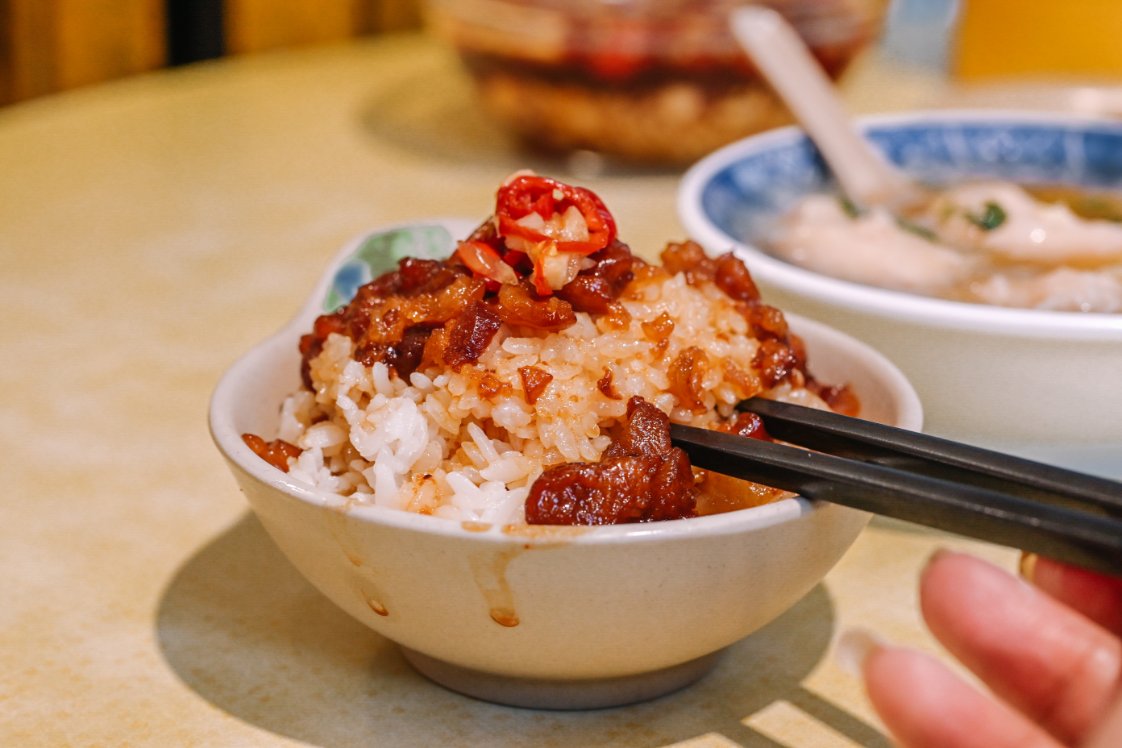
{"x": 780, "y": 54}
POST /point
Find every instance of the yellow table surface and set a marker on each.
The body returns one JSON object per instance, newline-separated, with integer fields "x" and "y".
{"x": 153, "y": 229}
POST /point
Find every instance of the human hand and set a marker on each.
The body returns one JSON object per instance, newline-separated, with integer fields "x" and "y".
{"x": 1050, "y": 653}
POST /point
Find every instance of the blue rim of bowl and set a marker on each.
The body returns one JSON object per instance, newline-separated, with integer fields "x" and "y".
{"x": 693, "y": 211}
{"x": 370, "y": 254}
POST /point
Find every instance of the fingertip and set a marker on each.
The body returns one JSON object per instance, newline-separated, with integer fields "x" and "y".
{"x": 913, "y": 694}
{"x": 1027, "y": 566}
{"x": 945, "y": 576}
{"x": 1096, "y": 596}
{"x": 1055, "y": 577}
{"x": 855, "y": 647}
{"x": 948, "y": 571}
{"x": 937, "y": 556}
{"x": 943, "y": 559}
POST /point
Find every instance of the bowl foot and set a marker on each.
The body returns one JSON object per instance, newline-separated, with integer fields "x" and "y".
{"x": 536, "y": 693}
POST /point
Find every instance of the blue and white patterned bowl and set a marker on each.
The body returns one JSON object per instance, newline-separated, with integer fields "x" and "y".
{"x": 1036, "y": 382}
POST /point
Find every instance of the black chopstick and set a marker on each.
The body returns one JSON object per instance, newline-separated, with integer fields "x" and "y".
{"x": 1056, "y": 529}
{"x": 941, "y": 458}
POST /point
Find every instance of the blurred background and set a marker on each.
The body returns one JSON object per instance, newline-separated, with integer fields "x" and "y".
{"x": 55, "y": 45}
{"x": 610, "y": 67}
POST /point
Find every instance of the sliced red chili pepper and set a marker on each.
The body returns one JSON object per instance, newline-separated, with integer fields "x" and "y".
{"x": 485, "y": 261}
{"x": 547, "y": 197}
{"x": 538, "y": 277}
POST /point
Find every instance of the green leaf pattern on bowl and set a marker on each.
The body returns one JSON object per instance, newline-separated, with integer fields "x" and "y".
{"x": 380, "y": 252}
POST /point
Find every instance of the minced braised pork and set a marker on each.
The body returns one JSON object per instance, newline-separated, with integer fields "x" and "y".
{"x": 276, "y": 452}
{"x": 392, "y": 318}
{"x": 440, "y": 313}
{"x": 640, "y": 477}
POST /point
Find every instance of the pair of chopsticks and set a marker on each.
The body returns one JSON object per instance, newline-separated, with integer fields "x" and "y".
{"x": 947, "y": 485}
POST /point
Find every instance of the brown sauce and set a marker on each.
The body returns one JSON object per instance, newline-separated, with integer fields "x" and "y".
{"x": 1090, "y": 204}
{"x": 637, "y": 73}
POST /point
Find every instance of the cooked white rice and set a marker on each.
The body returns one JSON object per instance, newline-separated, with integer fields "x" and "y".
{"x": 439, "y": 444}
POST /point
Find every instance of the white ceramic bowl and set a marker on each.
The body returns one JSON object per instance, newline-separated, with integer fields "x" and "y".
{"x": 1042, "y": 384}
{"x": 559, "y": 617}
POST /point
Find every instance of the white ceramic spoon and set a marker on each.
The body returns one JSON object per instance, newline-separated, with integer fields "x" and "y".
{"x": 780, "y": 54}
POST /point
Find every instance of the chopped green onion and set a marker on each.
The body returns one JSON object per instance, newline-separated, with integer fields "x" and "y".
{"x": 992, "y": 217}
{"x": 1096, "y": 206}
{"x": 914, "y": 228}
{"x": 849, "y": 207}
